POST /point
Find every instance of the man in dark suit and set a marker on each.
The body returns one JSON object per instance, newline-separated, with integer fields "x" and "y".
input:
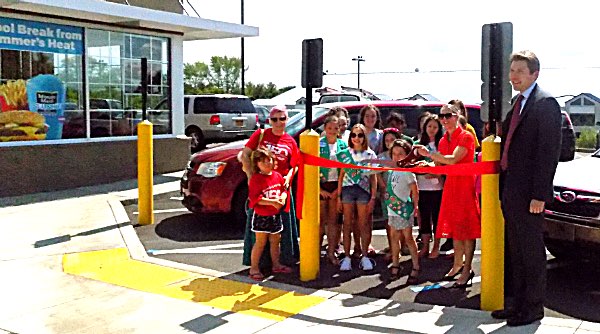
{"x": 529, "y": 156}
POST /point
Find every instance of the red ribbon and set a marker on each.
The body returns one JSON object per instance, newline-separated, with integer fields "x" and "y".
{"x": 473, "y": 168}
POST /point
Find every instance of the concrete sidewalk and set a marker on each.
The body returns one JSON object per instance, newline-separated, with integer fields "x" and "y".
{"x": 55, "y": 280}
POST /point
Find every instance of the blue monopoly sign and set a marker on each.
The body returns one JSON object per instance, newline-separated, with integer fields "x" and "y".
{"x": 36, "y": 36}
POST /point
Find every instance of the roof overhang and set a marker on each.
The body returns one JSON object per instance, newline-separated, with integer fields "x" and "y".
{"x": 191, "y": 28}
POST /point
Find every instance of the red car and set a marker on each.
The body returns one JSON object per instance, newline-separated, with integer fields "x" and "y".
{"x": 215, "y": 183}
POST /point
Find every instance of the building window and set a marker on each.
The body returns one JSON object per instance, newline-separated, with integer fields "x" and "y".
{"x": 588, "y": 102}
{"x": 42, "y": 77}
{"x": 583, "y": 119}
{"x": 114, "y": 74}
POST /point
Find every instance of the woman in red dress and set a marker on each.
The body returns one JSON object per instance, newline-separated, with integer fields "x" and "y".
{"x": 459, "y": 217}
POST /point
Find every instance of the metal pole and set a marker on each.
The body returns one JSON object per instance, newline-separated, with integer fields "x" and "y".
{"x": 358, "y": 60}
{"x": 309, "y": 224}
{"x": 492, "y": 232}
{"x": 358, "y": 76}
{"x": 144, "y": 87}
{"x": 243, "y": 87}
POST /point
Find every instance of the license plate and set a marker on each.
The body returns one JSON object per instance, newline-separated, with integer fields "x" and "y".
{"x": 239, "y": 122}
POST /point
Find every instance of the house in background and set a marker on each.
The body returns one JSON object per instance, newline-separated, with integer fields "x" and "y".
{"x": 424, "y": 97}
{"x": 584, "y": 110}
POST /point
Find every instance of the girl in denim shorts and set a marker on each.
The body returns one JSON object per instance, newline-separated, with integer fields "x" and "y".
{"x": 358, "y": 191}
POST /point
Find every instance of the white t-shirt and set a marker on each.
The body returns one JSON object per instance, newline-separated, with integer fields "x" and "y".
{"x": 401, "y": 182}
{"x": 333, "y": 172}
{"x": 345, "y": 136}
{"x": 358, "y": 157}
{"x": 429, "y": 184}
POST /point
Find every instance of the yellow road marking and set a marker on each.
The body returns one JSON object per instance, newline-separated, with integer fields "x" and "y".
{"x": 116, "y": 267}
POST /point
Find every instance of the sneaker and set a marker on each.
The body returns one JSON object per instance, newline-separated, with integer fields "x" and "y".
{"x": 346, "y": 264}
{"x": 366, "y": 264}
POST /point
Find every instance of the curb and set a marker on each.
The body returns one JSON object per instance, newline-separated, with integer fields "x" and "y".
{"x": 137, "y": 251}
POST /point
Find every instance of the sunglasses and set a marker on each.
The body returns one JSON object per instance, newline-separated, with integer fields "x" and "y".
{"x": 359, "y": 135}
{"x": 275, "y": 119}
{"x": 447, "y": 115}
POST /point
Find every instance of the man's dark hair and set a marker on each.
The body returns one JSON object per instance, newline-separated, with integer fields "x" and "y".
{"x": 395, "y": 117}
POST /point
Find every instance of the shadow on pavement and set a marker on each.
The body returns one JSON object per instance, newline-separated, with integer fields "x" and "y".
{"x": 68, "y": 237}
{"x": 580, "y": 279}
{"x": 188, "y": 228}
{"x": 80, "y": 192}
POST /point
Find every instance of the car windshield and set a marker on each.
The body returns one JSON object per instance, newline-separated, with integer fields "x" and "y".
{"x": 297, "y": 122}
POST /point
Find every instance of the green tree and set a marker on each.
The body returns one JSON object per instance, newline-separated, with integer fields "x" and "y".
{"x": 223, "y": 76}
{"x": 225, "y": 73}
{"x": 196, "y": 77}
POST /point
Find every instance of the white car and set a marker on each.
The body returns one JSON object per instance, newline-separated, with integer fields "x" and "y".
{"x": 573, "y": 219}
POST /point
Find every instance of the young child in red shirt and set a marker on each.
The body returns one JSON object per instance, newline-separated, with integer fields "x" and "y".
{"x": 267, "y": 196}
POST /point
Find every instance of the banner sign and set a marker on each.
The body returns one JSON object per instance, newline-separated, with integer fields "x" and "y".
{"x": 23, "y": 35}
{"x": 473, "y": 168}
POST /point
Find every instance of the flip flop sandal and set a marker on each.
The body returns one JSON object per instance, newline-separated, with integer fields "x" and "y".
{"x": 282, "y": 270}
{"x": 395, "y": 272}
{"x": 257, "y": 277}
{"x": 413, "y": 279}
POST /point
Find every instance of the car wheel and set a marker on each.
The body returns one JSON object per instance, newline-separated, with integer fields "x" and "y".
{"x": 197, "y": 143}
{"x": 238, "y": 204}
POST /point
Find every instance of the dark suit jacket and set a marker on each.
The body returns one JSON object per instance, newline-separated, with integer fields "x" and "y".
{"x": 534, "y": 150}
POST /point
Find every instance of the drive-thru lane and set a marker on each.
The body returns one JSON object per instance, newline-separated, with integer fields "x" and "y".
{"x": 214, "y": 242}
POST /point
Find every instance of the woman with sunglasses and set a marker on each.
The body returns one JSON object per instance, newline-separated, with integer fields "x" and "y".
{"x": 286, "y": 152}
{"x": 459, "y": 216}
{"x": 358, "y": 191}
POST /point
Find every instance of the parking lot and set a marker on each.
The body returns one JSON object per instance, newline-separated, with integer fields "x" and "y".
{"x": 214, "y": 242}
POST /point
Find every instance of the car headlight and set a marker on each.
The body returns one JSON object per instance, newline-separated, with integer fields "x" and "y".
{"x": 211, "y": 169}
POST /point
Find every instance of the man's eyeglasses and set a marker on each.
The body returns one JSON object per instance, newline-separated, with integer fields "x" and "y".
{"x": 275, "y": 119}
{"x": 359, "y": 135}
{"x": 447, "y": 115}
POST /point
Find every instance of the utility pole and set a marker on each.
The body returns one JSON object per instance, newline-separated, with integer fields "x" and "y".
{"x": 358, "y": 60}
{"x": 242, "y": 88}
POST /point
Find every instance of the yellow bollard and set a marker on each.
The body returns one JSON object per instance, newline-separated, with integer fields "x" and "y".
{"x": 492, "y": 233}
{"x": 309, "y": 224}
{"x": 145, "y": 173}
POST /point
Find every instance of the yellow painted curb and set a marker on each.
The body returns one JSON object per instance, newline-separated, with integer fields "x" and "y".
{"x": 114, "y": 266}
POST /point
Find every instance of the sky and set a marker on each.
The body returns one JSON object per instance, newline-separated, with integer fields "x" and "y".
{"x": 442, "y": 39}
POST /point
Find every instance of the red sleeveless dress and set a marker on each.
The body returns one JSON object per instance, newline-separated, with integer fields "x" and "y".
{"x": 459, "y": 217}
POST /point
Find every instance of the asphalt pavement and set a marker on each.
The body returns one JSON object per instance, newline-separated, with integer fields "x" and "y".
{"x": 72, "y": 262}
{"x": 215, "y": 242}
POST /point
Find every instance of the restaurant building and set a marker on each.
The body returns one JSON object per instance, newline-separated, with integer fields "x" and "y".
{"x": 71, "y": 93}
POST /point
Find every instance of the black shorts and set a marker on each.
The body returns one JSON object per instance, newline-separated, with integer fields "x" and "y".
{"x": 266, "y": 224}
{"x": 329, "y": 186}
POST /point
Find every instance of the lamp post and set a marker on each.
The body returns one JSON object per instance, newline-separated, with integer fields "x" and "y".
{"x": 358, "y": 60}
